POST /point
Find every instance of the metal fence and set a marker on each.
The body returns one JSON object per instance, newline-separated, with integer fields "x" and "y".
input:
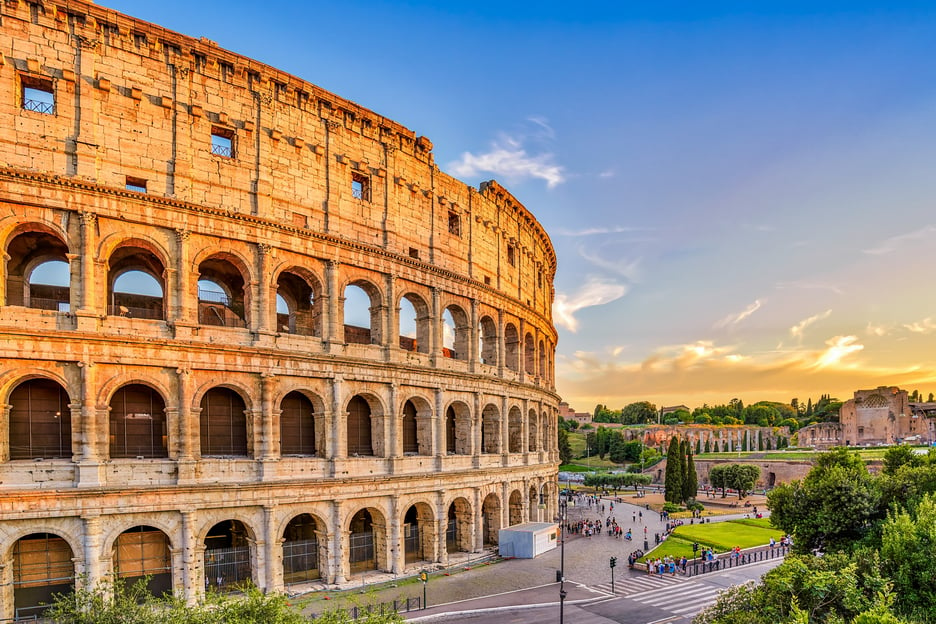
{"x": 694, "y": 568}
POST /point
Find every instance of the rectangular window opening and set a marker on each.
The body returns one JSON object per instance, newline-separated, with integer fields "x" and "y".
{"x": 487, "y": 280}
{"x": 38, "y": 95}
{"x": 511, "y": 255}
{"x": 136, "y": 184}
{"x": 454, "y": 223}
{"x": 222, "y": 142}
{"x": 360, "y": 186}
{"x": 414, "y": 253}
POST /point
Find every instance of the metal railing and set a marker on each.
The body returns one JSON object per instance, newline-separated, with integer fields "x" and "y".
{"x": 725, "y": 562}
{"x": 39, "y": 106}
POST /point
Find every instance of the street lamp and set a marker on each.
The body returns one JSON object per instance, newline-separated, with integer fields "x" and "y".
{"x": 564, "y": 508}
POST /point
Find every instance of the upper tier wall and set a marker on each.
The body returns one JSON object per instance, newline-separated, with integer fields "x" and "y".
{"x": 136, "y": 103}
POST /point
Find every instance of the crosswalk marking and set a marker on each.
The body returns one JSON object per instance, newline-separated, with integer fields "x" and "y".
{"x": 679, "y": 600}
{"x": 630, "y": 585}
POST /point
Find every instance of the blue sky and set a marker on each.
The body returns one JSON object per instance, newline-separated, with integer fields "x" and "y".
{"x": 740, "y": 194}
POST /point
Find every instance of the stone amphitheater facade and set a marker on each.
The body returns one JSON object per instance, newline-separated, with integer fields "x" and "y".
{"x": 183, "y": 391}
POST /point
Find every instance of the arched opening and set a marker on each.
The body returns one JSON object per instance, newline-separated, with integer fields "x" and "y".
{"x": 548, "y": 442}
{"x": 359, "y": 428}
{"x": 455, "y": 333}
{"x": 414, "y": 324}
{"x": 412, "y": 544}
{"x": 137, "y": 423}
{"x": 511, "y": 347}
{"x": 38, "y": 274}
{"x": 134, "y": 283}
{"x": 487, "y": 337}
{"x": 227, "y": 556}
{"x": 533, "y": 513}
{"x": 363, "y": 551}
{"x": 223, "y": 424}
{"x": 542, "y": 360}
{"x": 529, "y": 354}
{"x": 450, "y": 431}
{"x": 515, "y": 508}
{"x": 361, "y": 314}
{"x": 141, "y": 552}
{"x": 532, "y": 431}
{"x": 491, "y": 519}
{"x": 42, "y": 568}
{"x": 490, "y": 429}
{"x": 410, "y": 430}
{"x": 458, "y": 528}
{"x": 297, "y": 425}
{"x": 298, "y": 310}
{"x": 515, "y": 430}
{"x": 221, "y": 294}
{"x": 300, "y": 550}
{"x": 40, "y": 421}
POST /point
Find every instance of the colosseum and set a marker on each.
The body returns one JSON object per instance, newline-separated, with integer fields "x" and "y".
{"x": 248, "y": 329}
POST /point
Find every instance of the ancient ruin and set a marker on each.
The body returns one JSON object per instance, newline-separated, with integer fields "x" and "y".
{"x": 248, "y": 329}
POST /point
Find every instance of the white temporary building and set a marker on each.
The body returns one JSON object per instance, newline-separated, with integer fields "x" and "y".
{"x": 528, "y": 540}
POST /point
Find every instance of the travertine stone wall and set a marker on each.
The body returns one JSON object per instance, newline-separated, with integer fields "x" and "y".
{"x": 318, "y": 194}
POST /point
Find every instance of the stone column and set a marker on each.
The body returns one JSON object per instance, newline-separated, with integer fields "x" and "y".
{"x": 88, "y": 282}
{"x": 478, "y": 522}
{"x": 269, "y": 442}
{"x": 505, "y": 505}
{"x": 89, "y": 471}
{"x": 338, "y": 565}
{"x": 397, "y": 551}
{"x": 265, "y": 296}
{"x": 501, "y": 344}
{"x": 330, "y": 306}
{"x": 438, "y": 425}
{"x": 504, "y": 447}
{"x": 274, "y": 552}
{"x": 6, "y": 585}
{"x": 4, "y": 451}
{"x": 188, "y": 427}
{"x": 184, "y": 315}
{"x": 477, "y": 420}
{"x": 522, "y": 352}
{"x": 4, "y": 272}
{"x": 395, "y": 438}
{"x": 170, "y": 304}
{"x": 474, "y": 336}
{"x": 339, "y": 432}
{"x": 442, "y": 524}
{"x": 525, "y": 429}
{"x": 391, "y": 336}
{"x": 435, "y": 327}
{"x": 93, "y": 572}
{"x": 192, "y": 572}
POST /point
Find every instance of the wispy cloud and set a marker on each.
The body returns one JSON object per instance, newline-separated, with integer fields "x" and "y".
{"x": 797, "y": 330}
{"x": 807, "y": 285}
{"x": 894, "y": 243}
{"x": 838, "y": 348}
{"x": 597, "y": 231}
{"x": 594, "y": 292}
{"x": 625, "y": 267}
{"x": 509, "y": 157}
{"x": 876, "y": 330}
{"x": 925, "y": 326}
{"x": 734, "y": 319}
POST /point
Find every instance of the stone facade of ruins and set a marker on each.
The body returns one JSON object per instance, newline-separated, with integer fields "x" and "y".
{"x": 874, "y": 417}
{"x": 187, "y": 390}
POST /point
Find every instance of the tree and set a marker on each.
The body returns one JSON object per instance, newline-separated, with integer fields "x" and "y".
{"x": 639, "y": 413}
{"x": 930, "y": 398}
{"x": 565, "y": 449}
{"x": 832, "y": 507}
{"x": 673, "y": 477}
{"x": 908, "y": 554}
{"x": 617, "y": 448}
{"x": 691, "y": 479}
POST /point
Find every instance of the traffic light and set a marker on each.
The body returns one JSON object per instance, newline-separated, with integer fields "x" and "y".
{"x": 613, "y": 561}
{"x": 695, "y": 547}
{"x": 423, "y": 577}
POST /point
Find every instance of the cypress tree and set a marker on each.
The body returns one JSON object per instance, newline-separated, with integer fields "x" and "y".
{"x": 684, "y": 451}
{"x": 708, "y": 446}
{"x": 691, "y": 485}
{"x": 673, "y": 476}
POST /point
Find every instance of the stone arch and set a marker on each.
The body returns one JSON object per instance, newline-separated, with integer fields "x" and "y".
{"x": 144, "y": 552}
{"x": 459, "y": 526}
{"x": 223, "y": 290}
{"x": 415, "y": 426}
{"x": 356, "y": 333}
{"x": 360, "y": 424}
{"x": 490, "y": 519}
{"x": 367, "y": 540}
{"x": 126, "y": 256}
{"x": 421, "y": 320}
{"x": 532, "y": 431}
{"x": 533, "y": 503}
{"x": 511, "y": 347}
{"x": 547, "y": 430}
{"x": 487, "y": 340}
{"x": 541, "y": 360}
{"x": 302, "y": 549}
{"x": 229, "y": 556}
{"x": 515, "y": 430}
{"x": 302, "y": 424}
{"x": 515, "y": 508}
{"x": 529, "y": 354}
{"x": 224, "y": 423}
{"x": 30, "y": 246}
{"x": 39, "y": 419}
{"x": 299, "y": 307}
{"x": 418, "y": 529}
{"x": 456, "y": 332}
{"x": 137, "y": 422}
{"x": 458, "y": 429}
{"x": 43, "y": 566}
{"x": 490, "y": 429}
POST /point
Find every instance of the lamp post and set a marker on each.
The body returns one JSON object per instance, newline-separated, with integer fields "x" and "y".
{"x": 564, "y": 504}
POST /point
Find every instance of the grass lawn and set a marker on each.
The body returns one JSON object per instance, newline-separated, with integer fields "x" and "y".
{"x": 722, "y": 536}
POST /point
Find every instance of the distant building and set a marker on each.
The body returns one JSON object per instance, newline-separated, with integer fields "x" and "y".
{"x": 875, "y": 417}
{"x": 567, "y": 413}
{"x": 673, "y": 408}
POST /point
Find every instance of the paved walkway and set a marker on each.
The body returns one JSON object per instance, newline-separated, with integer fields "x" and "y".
{"x": 509, "y": 583}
